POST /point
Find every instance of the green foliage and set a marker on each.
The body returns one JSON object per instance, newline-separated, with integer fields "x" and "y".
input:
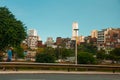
{"x": 45, "y": 58}
{"x": 101, "y": 55}
{"x": 86, "y": 58}
{"x": 49, "y": 54}
{"x": 87, "y": 48}
{"x": 66, "y": 53}
{"x": 62, "y": 53}
{"x": 48, "y": 50}
{"x": 12, "y": 31}
{"x": 115, "y": 54}
{"x": 57, "y": 53}
{"x": 18, "y": 52}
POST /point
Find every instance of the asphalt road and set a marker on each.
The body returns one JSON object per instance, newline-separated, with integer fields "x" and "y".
{"x": 48, "y": 76}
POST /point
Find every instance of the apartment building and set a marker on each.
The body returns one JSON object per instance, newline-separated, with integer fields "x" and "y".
{"x": 112, "y": 39}
{"x": 94, "y": 34}
{"x": 32, "y": 39}
{"x": 108, "y": 38}
{"x": 49, "y": 42}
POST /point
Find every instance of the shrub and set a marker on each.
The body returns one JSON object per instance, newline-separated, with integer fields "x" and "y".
{"x": 45, "y": 58}
{"x": 86, "y": 58}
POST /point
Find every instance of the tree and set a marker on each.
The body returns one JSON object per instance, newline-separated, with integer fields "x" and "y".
{"x": 101, "y": 55}
{"x": 18, "y": 52}
{"x": 12, "y": 31}
{"x": 115, "y": 54}
{"x": 40, "y": 50}
{"x": 63, "y": 53}
{"x": 45, "y": 58}
{"x": 66, "y": 53}
{"x": 85, "y": 58}
{"x": 88, "y": 47}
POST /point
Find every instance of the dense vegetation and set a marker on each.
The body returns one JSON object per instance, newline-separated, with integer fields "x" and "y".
{"x": 45, "y": 58}
{"x": 86, "y": 58}
{"x": 12, "y": 31}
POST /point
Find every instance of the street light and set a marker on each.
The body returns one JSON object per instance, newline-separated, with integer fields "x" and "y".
{"x": 76, "y": 46}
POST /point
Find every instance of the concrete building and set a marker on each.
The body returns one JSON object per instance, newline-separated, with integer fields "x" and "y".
{"x": 32, "y": 32}
{"x": 100, "y": 40}
{"x": 40, "y": 43}
{"x": 94, "y": 34}
{"x": 63, "y": 42}
{"x": 49, "y": 42}
{"x": 89, "y": 39}
{"x": 108, "y": 38}
{"x": 67, "y": 43}
{"x": 112, "y": 39}
{"x": 58, "y": 41}
{"x": 32, "y": 39}
{"x": 81, "y": 39}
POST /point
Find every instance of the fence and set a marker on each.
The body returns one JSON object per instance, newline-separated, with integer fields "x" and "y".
{"x": 67, "y": 67}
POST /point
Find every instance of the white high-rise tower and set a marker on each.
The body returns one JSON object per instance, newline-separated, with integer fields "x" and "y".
{"x": 32, "y": 32}
{"x": 74, "y": 30}
{"x": 32, "y": 39}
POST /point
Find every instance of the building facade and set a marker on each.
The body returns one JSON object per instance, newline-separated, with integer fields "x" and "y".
{"x": 80, "y": 39}
{"x": 63, "y": 42}
{"x": 108, "y": 38}
{"x": 100, "y": 40}
{"x": 58, "y": 41}
{"x": 32, "y": 32}
{"x": 49, "y": 42}
{"x": 32, "y": 39}
{"x": 112, "y": 39}
{"x": 94, "y": 34}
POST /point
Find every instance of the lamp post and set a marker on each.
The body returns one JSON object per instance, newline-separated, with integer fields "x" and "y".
{"x": 76, "y": 45}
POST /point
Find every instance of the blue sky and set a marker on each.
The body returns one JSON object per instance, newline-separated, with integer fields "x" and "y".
{"x": 54, "y": 18}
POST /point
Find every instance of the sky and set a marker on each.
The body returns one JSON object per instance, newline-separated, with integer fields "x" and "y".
{"x": 54, "y": 18}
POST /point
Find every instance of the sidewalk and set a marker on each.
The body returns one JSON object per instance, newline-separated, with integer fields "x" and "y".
{"x": 55, "y": 72}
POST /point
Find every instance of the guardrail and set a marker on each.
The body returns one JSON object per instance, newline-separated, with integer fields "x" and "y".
{"x": 68, "y": 67}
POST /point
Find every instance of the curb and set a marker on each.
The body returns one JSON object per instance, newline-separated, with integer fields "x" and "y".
{"x": 53, "y": 72}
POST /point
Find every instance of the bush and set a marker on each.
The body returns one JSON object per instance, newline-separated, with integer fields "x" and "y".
{"x": 45, "y": 58}
{"x": 18, "y": 52}
{"x": 86, "y": 58}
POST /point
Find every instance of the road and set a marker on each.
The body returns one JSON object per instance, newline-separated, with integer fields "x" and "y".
{"x": 48, "y": 76}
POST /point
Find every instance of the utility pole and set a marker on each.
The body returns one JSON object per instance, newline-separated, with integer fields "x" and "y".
{"x": 76, "y": 30}
{"x": 74, "y": 37}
